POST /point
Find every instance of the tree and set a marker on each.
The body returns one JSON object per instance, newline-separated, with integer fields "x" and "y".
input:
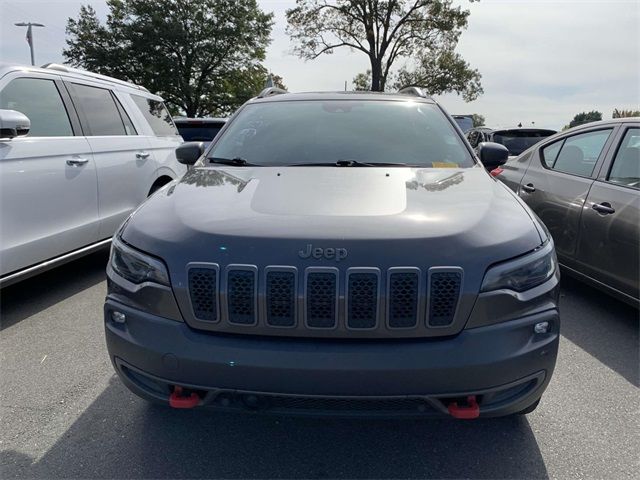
{"x": 202, "y": 56}
{"x": 585, "y": 117}
{"x": 424, "y": 33}
{"x": 478, "y": 120}
{"x": 442, "y": 72}
{"x": 625, "y": 113}
{"x": 362, "y": 82}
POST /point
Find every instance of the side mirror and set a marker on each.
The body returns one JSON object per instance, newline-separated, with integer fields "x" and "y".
{"x": 13, "y": 124}
{"x": 189, "y": 152}
{"x": 492, "y": 155}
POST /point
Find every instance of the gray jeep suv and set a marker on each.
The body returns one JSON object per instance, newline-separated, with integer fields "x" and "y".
{"x": 336, "y": 254}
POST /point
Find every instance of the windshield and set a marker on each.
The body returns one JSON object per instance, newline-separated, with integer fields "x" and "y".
{"x": 350, "y": 132}
{"x": 517, "y": 141}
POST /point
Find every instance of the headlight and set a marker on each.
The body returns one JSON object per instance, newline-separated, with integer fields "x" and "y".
{"x": 136, "y": 266}
{"x": 522, "y": 273}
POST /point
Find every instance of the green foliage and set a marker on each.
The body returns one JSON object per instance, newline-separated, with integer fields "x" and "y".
{"x": 423, "y": 33}
{"x": 442, "y": 72}
{"x": 585, "y": 117}
{"x": 362, "y": 82}
{"x": 625, "y": 113}
{"x": 202, "y": 56}
{"x": 478, "y": 120}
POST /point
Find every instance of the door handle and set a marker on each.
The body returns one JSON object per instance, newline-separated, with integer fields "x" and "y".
{"x": 77, "y": 162}
{"x": 604, "y": 208}
{"x": 142, "y": 155}
{"x": 529, "y": 188}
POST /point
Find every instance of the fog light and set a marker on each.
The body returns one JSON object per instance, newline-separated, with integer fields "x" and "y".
{"x": 118, "y": 317}
{"x": 541, "y": 327}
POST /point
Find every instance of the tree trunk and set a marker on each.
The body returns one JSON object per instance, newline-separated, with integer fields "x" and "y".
{"x": 376, "y": 75}
{"x": 191, "y": 110}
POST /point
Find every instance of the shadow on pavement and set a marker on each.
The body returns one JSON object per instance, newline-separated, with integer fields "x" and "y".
{"x": 26, "y": 298}
{"x": 120, "y": 436}
{"x": 604, "y": 327}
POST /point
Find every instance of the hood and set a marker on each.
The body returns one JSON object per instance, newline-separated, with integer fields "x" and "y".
{"x": 383, "y": 216}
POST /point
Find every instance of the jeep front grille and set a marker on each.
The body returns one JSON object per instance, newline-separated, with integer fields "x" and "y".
{"x": 281, "y": 298}
{"x": 401, "y": 301}
{"x": 363, "y": 297}
{"x": 444, "y": 290}
{"x": 321, "y": 299}
{"x": 203, "y": 289}
{"x": 241, "y": 296}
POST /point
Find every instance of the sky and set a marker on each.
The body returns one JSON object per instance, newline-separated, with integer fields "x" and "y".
{"x": 541, "y": 61}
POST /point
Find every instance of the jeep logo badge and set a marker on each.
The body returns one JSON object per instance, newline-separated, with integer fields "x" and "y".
{"x": 336, "y": 254}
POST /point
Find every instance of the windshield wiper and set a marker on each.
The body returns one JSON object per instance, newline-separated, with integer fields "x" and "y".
{"x": 237, "y": 161}
{"x": 351, "y": 163}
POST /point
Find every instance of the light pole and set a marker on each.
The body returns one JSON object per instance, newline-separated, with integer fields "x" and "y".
{"x": 29, "y": 35}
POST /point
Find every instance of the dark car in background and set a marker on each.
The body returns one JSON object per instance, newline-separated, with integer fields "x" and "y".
{"x": 465, "y": 122}
{"x": 199, "y": 129}
{"x": 584, "y": 184}
{"x": 517, "y": 139}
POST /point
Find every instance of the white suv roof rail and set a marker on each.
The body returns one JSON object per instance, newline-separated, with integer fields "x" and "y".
{"x": 415, "y": 91}
{"x": 270, "y": 91}
{"x": 97, "y": 76}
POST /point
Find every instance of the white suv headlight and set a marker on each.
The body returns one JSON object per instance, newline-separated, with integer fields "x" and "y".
{"x": 522, "y": 273}
{"x": 136, "y": 266}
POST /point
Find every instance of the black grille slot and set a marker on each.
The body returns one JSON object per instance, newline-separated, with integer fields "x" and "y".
{"x": 443, "y": 297}
{"x": 362, "y": 300}
{"x": 403, "y": 299}
{"x": 321, "y": 300}
{"x": 241, "y": 296}
{"x": 202, "y": 289}
{"x": 281, "y": 299}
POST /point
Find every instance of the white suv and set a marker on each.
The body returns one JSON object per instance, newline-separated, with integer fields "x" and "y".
{"x": 96, "y": 148}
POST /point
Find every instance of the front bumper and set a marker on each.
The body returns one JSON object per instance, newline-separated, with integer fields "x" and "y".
{"x": 507, "y": 366}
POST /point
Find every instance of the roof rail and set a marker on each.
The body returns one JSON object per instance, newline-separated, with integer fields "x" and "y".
{"x": 271, "y": 91}
{"x": 97, "y": 76}
{"x": 415, "y": 91}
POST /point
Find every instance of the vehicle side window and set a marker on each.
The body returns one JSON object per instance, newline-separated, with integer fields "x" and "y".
{"x": 157, "y": 115}
{"x": 128, "y": 125}
{"x": 576, "y": 155}
{"x": 40, "y": 100}
{"x": 626, "y": 164}
{"x": 550, "y": 153}
{"x": 100, "y": 110}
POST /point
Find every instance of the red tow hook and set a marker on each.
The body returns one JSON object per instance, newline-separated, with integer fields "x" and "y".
{"x": 178, "y": 400}
{"x": 468, "y": 412}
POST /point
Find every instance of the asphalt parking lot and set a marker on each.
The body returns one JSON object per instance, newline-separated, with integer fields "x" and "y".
{"x": 65, "y": 414}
